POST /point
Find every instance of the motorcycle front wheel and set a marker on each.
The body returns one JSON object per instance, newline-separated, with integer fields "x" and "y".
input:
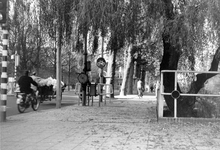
{"x": 21, "y": 108}
{"x": 35, "y": 104}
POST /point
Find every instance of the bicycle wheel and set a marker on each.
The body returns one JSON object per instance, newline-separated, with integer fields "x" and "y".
{"x": 35, "y": 103}
{"x": 21, "y": 107}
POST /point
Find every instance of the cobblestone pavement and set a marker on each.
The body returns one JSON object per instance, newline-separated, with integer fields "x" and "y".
{"x": 123, "y": 124}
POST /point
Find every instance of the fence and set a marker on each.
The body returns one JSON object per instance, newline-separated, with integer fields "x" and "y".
{"x": 105, "y": 91}
{"x": 98, "y": 88}
{"x": 175, "y": 94}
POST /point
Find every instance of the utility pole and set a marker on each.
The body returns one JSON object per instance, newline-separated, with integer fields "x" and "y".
{"x": 4, "y": 75}
{"x": 84, "y": 70}
{"x": 101, "y": 71}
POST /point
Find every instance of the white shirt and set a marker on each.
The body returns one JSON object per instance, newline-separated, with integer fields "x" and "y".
{"x": 139, "y": 84}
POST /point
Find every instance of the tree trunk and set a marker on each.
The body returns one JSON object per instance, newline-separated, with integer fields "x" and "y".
{"x": 55, "y": 60}
{"x": 111, "y": 69}
{"x": 131, "y": 79}
{"x": 69, "y": 70}
{"x": 129, "y": 61}
{"x": 37, "y": 60}
{"x": 186, "y": 104}
{"x": 58, "y": 71}
{"x": 201, "y": 78}
{"x": 170, "y": 62}
{"x": 138, "y": 66}
{"x": 143, "y": 77}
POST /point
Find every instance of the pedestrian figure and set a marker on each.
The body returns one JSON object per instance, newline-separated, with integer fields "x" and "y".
{"x": 139, "y": 88}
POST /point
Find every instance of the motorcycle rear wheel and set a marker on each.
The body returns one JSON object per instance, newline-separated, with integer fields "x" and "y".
{"x": 21, "y": 108}
{"x": 35, "y": 103}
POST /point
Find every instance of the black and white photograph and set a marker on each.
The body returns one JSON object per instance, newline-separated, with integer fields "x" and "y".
{"x": 110, "y": 74}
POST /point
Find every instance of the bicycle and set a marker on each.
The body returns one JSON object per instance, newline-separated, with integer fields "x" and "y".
{"x": 24, "y": 101}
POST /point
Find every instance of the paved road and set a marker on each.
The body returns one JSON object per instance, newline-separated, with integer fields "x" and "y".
{"x": 69, "y": 98}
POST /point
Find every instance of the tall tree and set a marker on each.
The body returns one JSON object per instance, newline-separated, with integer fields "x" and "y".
{"x": 105, "y": 17}
{"x": 141, "y": 31}
{"x": 58, "y": 13}
{"x": 24, "y": 34}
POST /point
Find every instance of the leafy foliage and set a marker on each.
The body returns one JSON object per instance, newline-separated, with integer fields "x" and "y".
{"x": 25, "y": 36}
{"x": 51, "y": 11}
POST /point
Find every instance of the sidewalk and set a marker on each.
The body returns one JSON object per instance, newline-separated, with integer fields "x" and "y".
{"x": 127, "y": 123}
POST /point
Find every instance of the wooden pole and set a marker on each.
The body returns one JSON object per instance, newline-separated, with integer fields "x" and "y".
{"x": 84, "y": 70}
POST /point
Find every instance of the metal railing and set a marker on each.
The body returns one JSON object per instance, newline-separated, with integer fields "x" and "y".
{"x": 106, "y": 89}
{"x": 161, "y": 92}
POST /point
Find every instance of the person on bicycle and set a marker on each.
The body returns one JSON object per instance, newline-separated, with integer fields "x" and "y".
{"x": 139, "y": 87}
{"x": 25, "y": 82}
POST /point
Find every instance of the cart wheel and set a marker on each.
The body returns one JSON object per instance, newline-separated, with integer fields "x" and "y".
{"x": 35, "y": 103}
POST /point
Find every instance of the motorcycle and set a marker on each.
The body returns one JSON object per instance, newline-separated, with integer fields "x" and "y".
{"x": 24, "y": 101}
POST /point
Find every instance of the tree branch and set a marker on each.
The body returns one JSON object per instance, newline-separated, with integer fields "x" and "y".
{"x": 201, "y": 78}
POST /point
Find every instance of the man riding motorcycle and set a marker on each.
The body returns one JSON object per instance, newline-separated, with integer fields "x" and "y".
{"x": 25, "y": 82}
